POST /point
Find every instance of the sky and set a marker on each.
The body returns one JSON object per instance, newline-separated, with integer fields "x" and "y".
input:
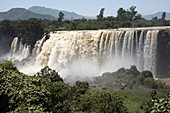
{"x": 91, "y": 7}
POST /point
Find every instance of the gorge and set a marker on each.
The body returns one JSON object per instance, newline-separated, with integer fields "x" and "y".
{"x": 92, "y": 52}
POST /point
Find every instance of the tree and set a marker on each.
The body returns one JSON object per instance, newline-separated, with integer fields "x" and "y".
{"x": 6, "y": 28}
{"x": 35, "y": 94}
{"x": 61, "y": 16}
{"x": 155, "y": 18}
{"x": 163, "y": 15}
{"x": 128, "y": 15}
{"x": 49, "y": 74}
{"x": 138, "y": 17}
{"x": 100, "y": 16}
{"x": 80, "y": 88}
{"x": 156, "y": 104}
{"x": 29, "y": 31}
{"x": 121, "y": 14}
{"x": 131, "y": 13}
{"x": 101, "y": 101}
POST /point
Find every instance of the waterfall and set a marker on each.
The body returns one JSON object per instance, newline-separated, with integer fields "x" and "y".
{"x": 105, "y": 49}
{"x": 18, "y": 50}
{"x": 140, "y": 46}
{"x": 25, "y": 51}
{"x": 14, "y": 45}
{"x": 38, "y": 46}
{"x": 150, "y": 51}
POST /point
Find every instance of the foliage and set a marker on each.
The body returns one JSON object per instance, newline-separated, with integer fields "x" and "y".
{"x": 7, "y": 65}
{"x": 156, "y": 104}
{"x": 80, "y": 88}
{"x": 121, "y": 14}
{"x": 6, "y": 28}
{"x": 46, "y": 92}
{"x": 29, "y": 31}
{"x": 61, "y": 16}
{"x": 22, "y": 93}
{"x": 129, "y": 15}
{"x": 132, "y": 85}
{"x": 100, "y": 101}
{"x": 163, "y": 15}
{"x": 155, "y": 18}
{"x": 100, "y": 16}
{"x": 49, "y": 74}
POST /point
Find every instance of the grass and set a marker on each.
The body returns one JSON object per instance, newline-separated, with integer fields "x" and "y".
{"x": 135, "y": 93}
{"x": 135, "y": 98}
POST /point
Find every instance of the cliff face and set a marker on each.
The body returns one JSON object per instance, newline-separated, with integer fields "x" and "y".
{"x": 163, "y": 54}
{"x": 5, "y": 44}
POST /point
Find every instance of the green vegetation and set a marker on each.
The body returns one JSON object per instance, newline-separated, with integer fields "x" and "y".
{"x": 124, "y": 91}
{"x": 163, "y": 15}
{"x": 156, "y": 104}
{"x": 61, "y": 16}
{"x": 31, "y": 30}
{"x": 46, "y": 92}
{"x": 135, "y": 87}
{"x": 100, "y": 16}
{"x": 129, "y": 15}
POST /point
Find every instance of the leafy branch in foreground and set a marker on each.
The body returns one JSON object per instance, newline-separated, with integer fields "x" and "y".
{"x": 157, "y": 105}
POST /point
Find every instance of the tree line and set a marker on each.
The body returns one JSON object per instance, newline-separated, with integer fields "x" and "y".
{"x": 29, "y": 31}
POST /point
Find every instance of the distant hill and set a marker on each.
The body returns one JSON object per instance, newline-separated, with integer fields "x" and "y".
{"x": 55, "y": 12}
{"x": 23, "y": 14}
{"x": 158, "y": 15}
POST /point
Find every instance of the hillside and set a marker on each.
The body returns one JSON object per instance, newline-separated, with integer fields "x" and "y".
{"x": 23, "y": 14}
{"x": 158, "y": 15}
{"x": 55, "y": 12}
{"x": 134, "y": 86}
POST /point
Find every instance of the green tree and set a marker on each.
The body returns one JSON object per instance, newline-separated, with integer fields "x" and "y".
{"x": 80, "y": 88}
{"x": 138, "y": 17}
{"x": 101, "y": 101}
{"x": 61, "y": 16}
{"x": 20, "y": 93}
{"x": 29, "y": 31}
{"x": 6, "y": 28}
{"x": 128, "y": 15}
{"x": 100, "y": 16}
{"x": 155, "y": 18}
{"x": 163, "y": 15}
{"x": 131, "y": 13}
{"x": 121, "y": 14}
{"x": 156, "y": 104}
{"x": 49, "y": 74}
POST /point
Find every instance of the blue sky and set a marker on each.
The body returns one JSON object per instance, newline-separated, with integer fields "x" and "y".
{"x": 91, "y": 7}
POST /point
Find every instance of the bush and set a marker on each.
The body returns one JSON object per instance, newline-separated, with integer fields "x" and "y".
{"x": 101, "y": 101}
{"x": 157, "y": 105}
{"x": 147, "y": 74}
{"x": 155, "y": 84}
{"x": 22, "y": 93}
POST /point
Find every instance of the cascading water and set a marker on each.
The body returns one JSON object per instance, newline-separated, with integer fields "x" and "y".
{"x": 23, "y": 50}
{"x": 150, "y": 51}
{"x": 14, "y": 45}
{"x": 106, "y": 50}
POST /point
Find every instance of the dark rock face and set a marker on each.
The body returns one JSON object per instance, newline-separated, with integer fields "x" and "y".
{"x": 5, "y": 42}
{"x": 163, "y": 54}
